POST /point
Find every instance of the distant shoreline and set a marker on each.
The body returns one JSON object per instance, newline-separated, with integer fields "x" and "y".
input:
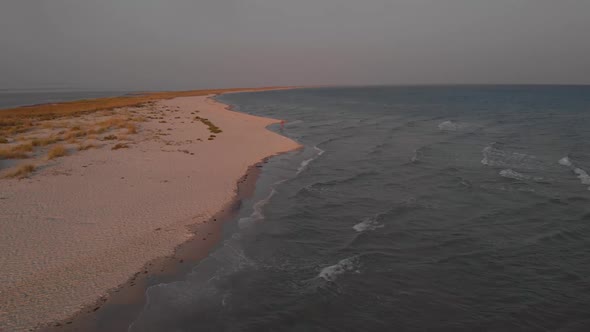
{"x": 128, "y": 99}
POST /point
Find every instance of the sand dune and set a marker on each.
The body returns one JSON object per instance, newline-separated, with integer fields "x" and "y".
{"x": 85, "y": 223}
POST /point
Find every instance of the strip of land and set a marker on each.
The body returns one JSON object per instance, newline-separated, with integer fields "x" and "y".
{"x": 107, "y": 189}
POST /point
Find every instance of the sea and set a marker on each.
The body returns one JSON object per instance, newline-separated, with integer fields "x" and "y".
{"x": 410, "y": 208}
{"x": 26, "y": 97}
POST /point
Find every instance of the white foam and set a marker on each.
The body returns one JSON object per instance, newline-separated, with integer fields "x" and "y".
{"x": 306, "y": 162}
{"x": 293, "y": 123}
{"x": 486, "y": 152}
{"x": 368, "y": 224}
{"x": 320, "y": 151}
{"x": 257, "y": 213}
{"x": 565, "y": 161}
{"x": 582, "y": 175}
{"x": 448, "y": 126}
{"x": 496, "y": 157}
{"x": 508, "y": 173}
{"x": 332, "y": 272}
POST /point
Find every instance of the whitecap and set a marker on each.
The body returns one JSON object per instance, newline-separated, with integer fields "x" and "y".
{"x": 368, "y": 224}
{"x": 332, "y": 272}
{"x": 493, "y": 156}
{"x": 448, "y": 126}
{"x": 565, "y": 161}
{"x": 510, "y": 174}
{"x": 582, "y": 175}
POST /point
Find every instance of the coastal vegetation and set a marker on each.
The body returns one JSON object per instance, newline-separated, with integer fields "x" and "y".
{"x": 21, "y": 172}
{"x": 56, "y": 152}
{"x": 212, "y": 128}
{"x": 120, "y": 146}
{"x": 59, "y": 129}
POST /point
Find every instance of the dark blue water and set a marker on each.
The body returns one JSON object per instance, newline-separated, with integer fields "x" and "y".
{"x": 410, "y": 209}
{"x": 15, "y": 98}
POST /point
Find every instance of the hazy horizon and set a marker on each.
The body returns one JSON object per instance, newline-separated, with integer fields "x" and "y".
{"x": 179, "y": 44}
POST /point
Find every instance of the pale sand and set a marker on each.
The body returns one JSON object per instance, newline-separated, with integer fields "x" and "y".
{"x": 86, "y": 223}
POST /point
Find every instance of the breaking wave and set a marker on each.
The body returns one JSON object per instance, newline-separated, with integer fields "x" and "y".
{"x": 257, "y": 213}
{"x": 510, "y": 174}
{"x": 580, "y": 173}
{"x": 493, "y": 156}
{"x": 306, "y": 162}
{"x": 368, "y": 224}
{"x": 448, "y": 126}
{"x": 565, "y": 161}
{"x": 331, "y": 273}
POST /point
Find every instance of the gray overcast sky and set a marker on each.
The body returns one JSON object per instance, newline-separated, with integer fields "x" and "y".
{"x": 183, "y": 44}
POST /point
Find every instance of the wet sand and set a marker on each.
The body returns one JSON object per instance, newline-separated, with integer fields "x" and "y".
{"x": 115, "y": 311}
{"x": 82, "y": 226}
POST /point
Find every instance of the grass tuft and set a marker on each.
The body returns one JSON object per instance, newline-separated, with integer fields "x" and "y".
{"x": 44, "y": 141}
{"x": 87, "y": 146}
{"x": 212, "y": 128}
{"x": 131, "y": 128}
{"x": 16, "y": 152}
{"x": 21, "y": 172}
{"x": 109, "y": 138}
{"x": 56, "y": 152}
{"x": 120, "y": 146}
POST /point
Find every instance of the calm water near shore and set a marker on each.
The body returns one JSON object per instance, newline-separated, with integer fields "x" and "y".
{"x": 410, "y": 208}
{"x": 16, "y": 98}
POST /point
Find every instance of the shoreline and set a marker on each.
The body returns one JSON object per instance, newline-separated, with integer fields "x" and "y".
{"x": 74, "y": 316}
{"x": 124, "y": 302}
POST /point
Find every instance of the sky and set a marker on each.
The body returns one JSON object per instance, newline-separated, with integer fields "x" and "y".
{"x": 192, "y": 44}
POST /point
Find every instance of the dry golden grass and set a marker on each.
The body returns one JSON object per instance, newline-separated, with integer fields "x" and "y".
{"x": 16, "y": 152}
{"x": 131, "y": 128}
{"x": 109, "y": 138}
{"x": 74, "y": 134}
{"x": 20, "y": 115}
{"x": 45, "y": 141}
{"x": 120, "y": 146}
{"x": 21, "y": 172}
{"x": 57, "y": 151}
{"x": 86, "y": 146}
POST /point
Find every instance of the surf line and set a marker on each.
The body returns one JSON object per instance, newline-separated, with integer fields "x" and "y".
{"x": 306, "y": 162}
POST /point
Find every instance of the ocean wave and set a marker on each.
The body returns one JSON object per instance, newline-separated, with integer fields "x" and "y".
{"x": 448, "y": 126}
{"x": 331, "y": 273}
{"x": 512, "y": 174}
{"x": 257, "y": 213}
{"x": 580, "y": 173}
{"x": 565, "y": 161}
{"x": 321, "y": 186}
{"x": 369, "y": 224}
{"x": 416, "y": 157}
{"x": 493, "y": 156}
{"x": 306, "y": 162}
{"x": 293, "y": 123}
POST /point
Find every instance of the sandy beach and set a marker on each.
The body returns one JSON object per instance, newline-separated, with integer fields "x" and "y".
{"x": 83, "y": 224}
